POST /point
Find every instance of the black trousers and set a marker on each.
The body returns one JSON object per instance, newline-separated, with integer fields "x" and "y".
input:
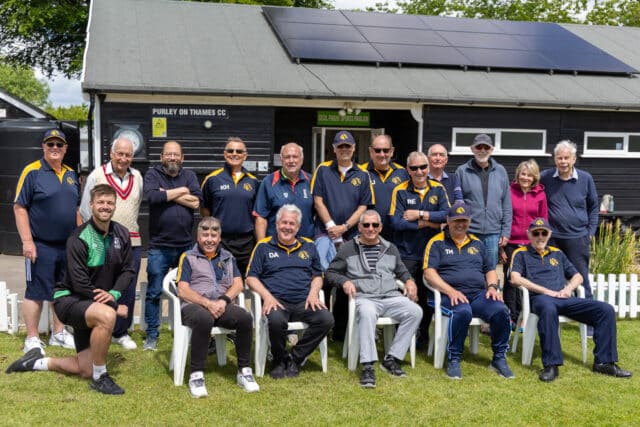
{"x": 240, "y": 246}
{"x": 510, "y": 293}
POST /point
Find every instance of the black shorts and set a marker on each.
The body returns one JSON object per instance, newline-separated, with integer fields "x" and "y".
{"x": 71, "y": 310}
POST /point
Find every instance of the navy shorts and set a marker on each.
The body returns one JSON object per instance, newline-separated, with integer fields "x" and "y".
{"x": 71, "y": 310}
{"x": 43, "y": 274}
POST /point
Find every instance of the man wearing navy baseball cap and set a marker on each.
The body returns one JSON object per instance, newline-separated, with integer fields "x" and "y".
{"x": 551, "y": 279}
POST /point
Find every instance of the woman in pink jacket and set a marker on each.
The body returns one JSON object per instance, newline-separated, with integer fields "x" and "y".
{"x": 529, "y": 202}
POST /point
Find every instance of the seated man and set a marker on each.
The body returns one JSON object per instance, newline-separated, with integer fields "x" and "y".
{"x": 456, "y": 264}
{"x": 285, "y": 271}
{"x": 99, "y": 269}
{"x": 208, "y": 281}
{"x": 551, "y": 278}
{"x": 366, "y": 268}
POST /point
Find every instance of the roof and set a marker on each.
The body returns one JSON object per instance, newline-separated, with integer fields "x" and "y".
{"x": 178, "y": 47}
{"x": 24, "y": 106}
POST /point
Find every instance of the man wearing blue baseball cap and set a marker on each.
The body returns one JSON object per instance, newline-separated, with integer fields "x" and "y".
{"x": 551, "y": 278}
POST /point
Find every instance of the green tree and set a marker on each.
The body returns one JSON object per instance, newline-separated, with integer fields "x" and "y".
{"x": 615, "y": 12}
{"x": 74, "y": 112}
{"x": 22, "y": 82}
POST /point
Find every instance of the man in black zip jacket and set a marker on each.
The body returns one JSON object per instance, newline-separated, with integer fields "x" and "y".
{"x": 99, "y": 269}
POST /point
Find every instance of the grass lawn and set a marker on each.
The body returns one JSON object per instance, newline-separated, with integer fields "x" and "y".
{"x": 425, "y": 397}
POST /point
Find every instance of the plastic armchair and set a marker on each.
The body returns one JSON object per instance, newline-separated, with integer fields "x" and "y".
{"x": 530, "y": 322}
{"x": 262, "y": 335}
{"x": 351, "y": 345}
{"x": 182, "y": 333}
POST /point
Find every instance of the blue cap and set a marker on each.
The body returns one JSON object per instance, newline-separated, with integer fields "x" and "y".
{"x": 539, "y": 224}
{"x": 54, "y": 134}
{"x": 459, "y": 211}
{"x": 343, "y": 137}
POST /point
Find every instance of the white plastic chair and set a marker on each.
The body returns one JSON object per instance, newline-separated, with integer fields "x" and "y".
{"x": 351, "y": 345}
{"x": 439, "y": 335}
{"x": 262, "y": 335}
{"x": 530, "y": 328}
{"x": 182, "y": 333}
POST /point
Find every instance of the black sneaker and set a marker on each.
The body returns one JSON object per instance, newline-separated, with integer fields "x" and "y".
{"x": 292, "y": 370}
{"x": 26, "y": 362}
{"x": 391, "y": 365}
{"x": 368, "y": 377}
{"x": 105, "y": 385}
{"x": 277, "y": 371}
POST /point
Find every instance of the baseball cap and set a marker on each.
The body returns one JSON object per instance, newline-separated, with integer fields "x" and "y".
{"x": 54, "y": 134}
{"x": 343, "y": 137}
{"x": 482, "y": 138}
{"x": 459, "y": 211}
{"x": 539, "y": 224}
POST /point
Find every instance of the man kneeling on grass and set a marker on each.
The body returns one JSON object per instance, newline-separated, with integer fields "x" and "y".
{"x": 99, "y": 269}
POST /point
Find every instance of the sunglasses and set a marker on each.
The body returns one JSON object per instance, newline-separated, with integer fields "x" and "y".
{"x": 370, "y": 224}
{"x": 234, "y": 151}
{"x": 484, "y": 147}
{"x": 209, "y": 227}
{"x": 538, "y": 233}
{"x": 343, "y": 146}
{"x": 381, "y": 150}
{"x": 415, "y": 168}
{"x": 55, "y": 144}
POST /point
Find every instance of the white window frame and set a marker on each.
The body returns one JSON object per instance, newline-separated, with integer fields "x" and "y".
{"x": 624, "y": 153}
{"x": 498, "y": 151}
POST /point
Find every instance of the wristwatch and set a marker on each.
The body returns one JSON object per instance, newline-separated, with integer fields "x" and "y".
{"x": 494, "y": 286}
{"x": 421, "y": 214}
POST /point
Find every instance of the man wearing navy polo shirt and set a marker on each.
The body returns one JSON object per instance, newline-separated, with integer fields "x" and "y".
{"x": 289, "y": 185}
{"x": 173, "y": 195}
{"x": 551, "y": 278}
{"x": 385, "y": 175}
{"x": 46, "y": 211}
{"x": 285, "y": 271}
{"x": 456, "y": 264}
{"x": 228, "y": 193}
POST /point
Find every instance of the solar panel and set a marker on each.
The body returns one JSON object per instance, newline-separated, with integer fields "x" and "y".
{"x": 380, "y": 38}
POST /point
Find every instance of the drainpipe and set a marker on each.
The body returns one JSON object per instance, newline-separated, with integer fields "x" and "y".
{"x": 416, "y": 113}
{"x": 90, "y": 141}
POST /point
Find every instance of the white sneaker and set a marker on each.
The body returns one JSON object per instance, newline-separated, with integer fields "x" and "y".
{"x": 62, "y": 339}
{"x": 196, "y": 385}
{"x": 33, "y": 342}
{"x": 246, "y": 380}
{"x": 126, "y": 342}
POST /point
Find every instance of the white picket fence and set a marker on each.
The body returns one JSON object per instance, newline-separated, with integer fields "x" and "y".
{"x": 617, "y": 290}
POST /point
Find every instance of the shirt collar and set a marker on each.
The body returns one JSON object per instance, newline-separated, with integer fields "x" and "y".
{"x": 109, "y": 170}
{"x": 574, "y": 175}
{"x": 444, "y": 175}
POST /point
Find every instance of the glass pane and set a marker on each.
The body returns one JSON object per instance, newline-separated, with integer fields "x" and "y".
{"x": 605, "y": 143}
{"x": 464, "y": 139}
{"x": 521, "y": 141}
{"x": 634, "y": 143}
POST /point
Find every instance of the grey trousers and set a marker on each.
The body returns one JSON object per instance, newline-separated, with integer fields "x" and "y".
{"x": 400, "y": 308}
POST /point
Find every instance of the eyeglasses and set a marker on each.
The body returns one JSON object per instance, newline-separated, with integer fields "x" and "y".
{"x": 55, "y": 144}
{"x": 415, "y": 168}
{"x": 209, "y": 227}
{"x": 538, "y": 233}
{"x": 234, "y": 151}
{"x": 370, "y": 224}
{"x": 343, "y": 146}
{"x": 484, "y": 147}
{"x": 381, "y": 150}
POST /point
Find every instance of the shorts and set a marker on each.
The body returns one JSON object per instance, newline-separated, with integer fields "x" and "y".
{"x": 71, "y": 310}
{"x": 43, "y": 274}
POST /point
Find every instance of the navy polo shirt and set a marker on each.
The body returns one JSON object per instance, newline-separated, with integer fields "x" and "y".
{"x": 341, "y": 194}
{"x": 230, "y": 199}
{"x": 285, "y": 272}
{"x": 452, "y": 185}
{"x": 410, "y": 239}
{"x": 384, "y": 183}
{"x": 462, "y": 267}
{"x": 550, "y": 269}
{"x": 275, "y": 191}
{"x": 51, "y": 199}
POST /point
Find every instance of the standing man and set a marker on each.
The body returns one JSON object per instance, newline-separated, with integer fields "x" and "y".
{"x": 228, "y": 193}
{"x": 456, "y": 264}
{"x": 485, "y": 187}
{"x": 173, "y": 195}
{"x": 127, "y": 183}
{"x": 289, "y": 185}
{"x": 418, "y": 207}
{"x": 285, "y": 271}
{"x": 572, "y": 203}
{"x": 438, "y": 159}
{"x": 46, "y": 211}
{"x": 385, "y": 175}
{"x": 99, "y": 269}
{"x": 341, "y": 193}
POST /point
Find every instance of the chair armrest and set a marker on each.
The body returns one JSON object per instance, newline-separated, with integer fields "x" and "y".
{"x": 437, "y": 297}
{"x": 580, "y": 291}
{"x": 526, "y": 305}
{"x": 400, "y": 284}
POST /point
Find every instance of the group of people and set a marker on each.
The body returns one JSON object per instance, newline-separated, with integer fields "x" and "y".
{"x": 356, "y": 228}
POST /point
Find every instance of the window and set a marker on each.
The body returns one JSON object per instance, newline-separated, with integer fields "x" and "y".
{"x": 518, "y": 142}
{"x": 611, "y": 144}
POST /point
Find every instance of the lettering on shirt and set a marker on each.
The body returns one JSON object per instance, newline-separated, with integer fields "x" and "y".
{"x": 116, "y": 243}
{"x": 225, "y": 187}
{"x": 448, "y": 251}
{"x": 411, "y": 201}
{"x": 273, "y": 255}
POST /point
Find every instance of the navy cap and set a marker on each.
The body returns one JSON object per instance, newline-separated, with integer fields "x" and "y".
{"x": 539, "y": 224}
{"x": 459, "y": 211}
{"x": 482, "y": 138}
{"x": 343, "y": 137}
{"x": 54, "y": 134}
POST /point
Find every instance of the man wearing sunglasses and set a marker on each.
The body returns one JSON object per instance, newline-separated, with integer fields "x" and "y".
{"x": 385, "y": 175}
{"x": 229, "y": 194}
{"x": 485, "y": 187}
{"x": 551, "y": 278}
{"x": 366, "y": 269}
{"x": 46, "y": 211}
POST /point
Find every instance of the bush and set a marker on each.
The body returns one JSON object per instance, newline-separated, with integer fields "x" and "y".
{"x": 614, "y": 251}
